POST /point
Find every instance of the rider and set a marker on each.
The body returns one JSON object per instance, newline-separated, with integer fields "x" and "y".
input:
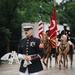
{"x": 58, "y": 39}
{"x": 58, "y": 35}
{"x": 54, "y": 49}
{"x": 68, "y": 33}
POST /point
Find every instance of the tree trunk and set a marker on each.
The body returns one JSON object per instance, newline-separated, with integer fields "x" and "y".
{"x": 8, "y": 46}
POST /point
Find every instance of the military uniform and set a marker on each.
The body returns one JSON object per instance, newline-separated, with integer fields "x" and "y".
{"x": 30, "y": 46}
{"x": 66, "y": 32}
{"x": 59, "y": 36}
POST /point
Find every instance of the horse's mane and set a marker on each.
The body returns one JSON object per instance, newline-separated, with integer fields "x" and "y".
{"x": 46, "y": 40}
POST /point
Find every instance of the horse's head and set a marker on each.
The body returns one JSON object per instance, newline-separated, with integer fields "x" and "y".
{"x": 45, "y": 38}
{"x": 63, "y": 42}
{"x": 64, "y": 38}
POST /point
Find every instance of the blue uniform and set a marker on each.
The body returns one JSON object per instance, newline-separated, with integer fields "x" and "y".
{"x": 30, "y": 46}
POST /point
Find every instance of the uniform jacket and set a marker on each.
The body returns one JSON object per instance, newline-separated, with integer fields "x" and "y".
{"x": 66, "y": 32}
{"x": 31, "y": 46}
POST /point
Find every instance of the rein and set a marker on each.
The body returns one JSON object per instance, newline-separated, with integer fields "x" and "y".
{"x": 47, "y": 44}
{"x": 63, "y": 47}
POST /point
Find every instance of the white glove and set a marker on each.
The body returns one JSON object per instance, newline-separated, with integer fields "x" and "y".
{"x": 21, "y": 56}
{"x": 70, "y": 42}
{"x": 26, "y": 63}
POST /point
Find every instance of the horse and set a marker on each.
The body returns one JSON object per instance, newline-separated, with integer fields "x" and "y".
{"x": 47, "y": 50}
{"x": 63, "y": 52}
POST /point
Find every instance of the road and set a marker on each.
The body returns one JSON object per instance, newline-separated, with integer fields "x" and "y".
{"x": 7, "y": 69}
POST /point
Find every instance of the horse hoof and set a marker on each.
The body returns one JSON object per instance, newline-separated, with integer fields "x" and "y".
{"x": 50, "y": 66}
{"x": 59, "y": 68}
{"x": 46, "y": 66}
{"x": 70, "y": 66}
{"x": 64, "y": 68}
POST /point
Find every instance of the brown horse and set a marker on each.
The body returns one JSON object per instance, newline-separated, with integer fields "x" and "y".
{"x": 47, "y": 50}
{"x": 71, "y": 54}
{"x": 63, "y": 51}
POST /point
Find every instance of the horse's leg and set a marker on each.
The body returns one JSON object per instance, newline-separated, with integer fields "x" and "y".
{"x": 60, "y": 65}
{"x": 56, "y": 58}
{"x": 71, "y": 55}
{"x": 47, "y": 60}
{"x": 71, "y": 59}
{"x": 50, "y": 61}
{"x": 65, "y": 59}
{"x": 47, "y": 63}
{"x": 56, "y": 62}
{"x": 66, "y": 62}
{"x": 59, "y": 60}
{"x": 44, "y": 60}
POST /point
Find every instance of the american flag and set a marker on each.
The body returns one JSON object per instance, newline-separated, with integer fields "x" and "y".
{"x": 40, "y": 29}
{"x": 40, "y": 25}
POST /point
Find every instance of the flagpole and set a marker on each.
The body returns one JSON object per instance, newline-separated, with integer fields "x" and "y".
{"x": 53, "y": 27}
{"x": 40, "y": 13}
{"x": 40, "y": 24}
{"x": 54, "y": 3}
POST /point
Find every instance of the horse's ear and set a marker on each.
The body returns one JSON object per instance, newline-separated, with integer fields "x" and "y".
{"x": 43, "y": 33}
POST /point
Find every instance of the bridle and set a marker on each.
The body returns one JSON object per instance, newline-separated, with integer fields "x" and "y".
{"x": 63, "y": 47}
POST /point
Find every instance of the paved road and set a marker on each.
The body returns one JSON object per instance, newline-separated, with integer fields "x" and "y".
{"x": 7, "y": 69}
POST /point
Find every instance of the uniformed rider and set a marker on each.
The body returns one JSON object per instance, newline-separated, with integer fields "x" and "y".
{"x": 68, "y": 33}
{"x": 54, "y": 54}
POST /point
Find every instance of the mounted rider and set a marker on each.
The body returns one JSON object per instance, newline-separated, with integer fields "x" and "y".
{"x": 68, "y": 33}
{"x": 54, "y": 54}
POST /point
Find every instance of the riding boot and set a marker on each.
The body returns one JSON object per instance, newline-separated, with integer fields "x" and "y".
{"x": 54, "y": 52}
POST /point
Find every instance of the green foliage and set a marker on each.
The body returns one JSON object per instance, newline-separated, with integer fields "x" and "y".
{"x": 70, "y": 9}
{"x": 47, "y": 10}
{"x": 66, "y": 14}
{"x": 5, "y": 33}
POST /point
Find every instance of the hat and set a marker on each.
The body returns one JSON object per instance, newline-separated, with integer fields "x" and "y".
{"x": 65, "y": 24}
{"x": 28, "y": 27}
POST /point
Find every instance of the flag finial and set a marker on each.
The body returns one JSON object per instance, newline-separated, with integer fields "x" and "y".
{"x": 54, "y": 2}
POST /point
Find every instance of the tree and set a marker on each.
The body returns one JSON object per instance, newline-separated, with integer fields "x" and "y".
{"x": 66, "y": 14}
{"x": 7, "y": 15}
{"x": 71, "y": 16}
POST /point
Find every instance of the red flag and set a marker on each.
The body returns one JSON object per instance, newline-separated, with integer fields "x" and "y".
{"x": 40, "y": 29}
{"x": 53, "y": 29}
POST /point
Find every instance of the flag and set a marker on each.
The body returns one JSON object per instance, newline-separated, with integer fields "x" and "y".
{"x": 40, "y": 29}
{"x": 40, "y": 25}
{"x": 53, "y": 29}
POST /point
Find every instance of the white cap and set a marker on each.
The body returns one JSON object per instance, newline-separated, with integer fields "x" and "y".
{"x": 28, "y": 27}
{"x": 64, "y": 24}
